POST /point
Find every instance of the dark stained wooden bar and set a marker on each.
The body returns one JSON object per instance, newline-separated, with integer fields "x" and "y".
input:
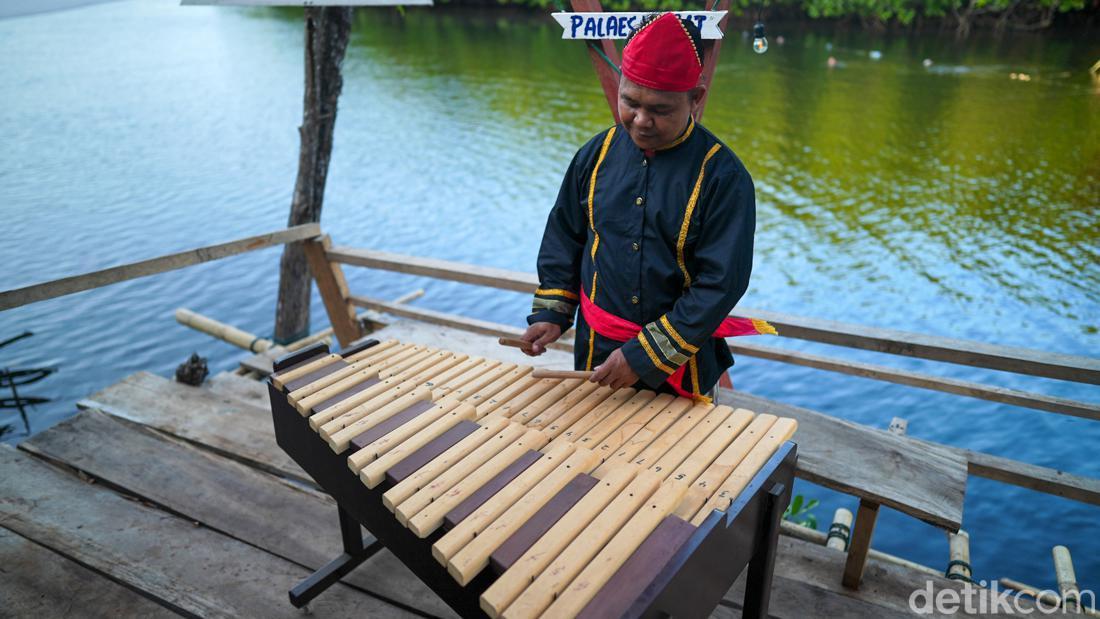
{"x": 485, "y": 492}
{"x": 391, "y": 424}
{"x": 315, "y": 375}
{"x": 619, "y": 593}
{"x": 429, "y": 452}
{"x": 534, "y": 528}
{"x": 340, "y": 397}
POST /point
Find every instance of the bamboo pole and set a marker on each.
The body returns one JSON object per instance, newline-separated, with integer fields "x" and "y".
{"x": 1067, "y": 579}
{"x": 254, "y": 343}
{"x": 840, "y": 531}
{"x": 222, "y": 331}
{"x": 958, "y": 566}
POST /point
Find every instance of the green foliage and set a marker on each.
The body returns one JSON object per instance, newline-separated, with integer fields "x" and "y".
{"x": 798, "y": 511}
{"x": 879, "y": 12}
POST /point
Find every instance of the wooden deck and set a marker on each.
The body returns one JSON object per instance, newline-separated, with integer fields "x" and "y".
{"x": 162, "y": 499}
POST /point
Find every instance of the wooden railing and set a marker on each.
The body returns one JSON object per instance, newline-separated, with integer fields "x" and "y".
{"x": 97, "y": 279}
{"x": 962, "y": 352}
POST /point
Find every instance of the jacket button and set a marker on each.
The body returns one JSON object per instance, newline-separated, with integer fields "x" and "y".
{"x": 645, "y": 162}
{"x": 635, "y": 246}
{"x": 639, "y": 200}
{"x": 634, "y": 300}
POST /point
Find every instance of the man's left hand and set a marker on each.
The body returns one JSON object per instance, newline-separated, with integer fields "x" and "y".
{"x": 615, "y": 372}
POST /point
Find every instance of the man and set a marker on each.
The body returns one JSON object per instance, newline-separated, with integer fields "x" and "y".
{"x": 652, "y": 231}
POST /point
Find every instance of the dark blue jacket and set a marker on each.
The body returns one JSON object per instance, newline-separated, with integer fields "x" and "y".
{"x": 663, "y": 241}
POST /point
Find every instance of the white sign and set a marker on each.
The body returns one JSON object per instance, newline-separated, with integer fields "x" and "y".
{"x": 620, "y": 25}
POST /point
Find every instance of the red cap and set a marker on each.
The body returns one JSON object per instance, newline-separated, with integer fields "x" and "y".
{"x": 662, "y": 56}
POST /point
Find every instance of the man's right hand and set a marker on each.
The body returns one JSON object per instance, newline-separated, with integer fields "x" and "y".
{"x": 540, "y": 335}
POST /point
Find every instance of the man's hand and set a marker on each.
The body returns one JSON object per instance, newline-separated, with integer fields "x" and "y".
{"x": 540, "y": 335}
{"x": 615, "y": 372}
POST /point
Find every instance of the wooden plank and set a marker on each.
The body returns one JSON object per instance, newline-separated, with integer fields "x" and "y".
{"x": 39, "y": 583}
{"x": 806, "y": 578}
{"x": 281, "y": 517}
{"x": 936, "y": 348}
{"x": 794, "y": 598}
{"x": 228, "y": 427}
{"x": 134, "y": 270}
{"x": 1038, "y": 478}
{"x": 963, "y": 352}
{"x": 244, "y": 390}
{"x": 195, "y": 569}
{"x": 1013, "y": 397}
{"x": 440, "y": 269}
{"x": 923, "y": 480}
{"x": 260, "y": 363}
{"x": 333, "y": 289}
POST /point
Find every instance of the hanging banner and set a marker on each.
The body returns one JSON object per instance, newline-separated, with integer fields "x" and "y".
{"x": 620, "y": 25}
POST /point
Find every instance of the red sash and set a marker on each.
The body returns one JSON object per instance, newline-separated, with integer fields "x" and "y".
{"x": 622, "y": 330}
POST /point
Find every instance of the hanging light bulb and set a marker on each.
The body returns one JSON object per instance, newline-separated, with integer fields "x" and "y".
{"x": 759, "y": 41}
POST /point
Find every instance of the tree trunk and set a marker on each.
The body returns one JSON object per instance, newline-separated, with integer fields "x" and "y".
{"x": 327, "y": 30}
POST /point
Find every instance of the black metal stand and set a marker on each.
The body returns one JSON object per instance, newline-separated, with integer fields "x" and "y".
{"x": 758, "y": 582}
{"x": 355, "y": 552}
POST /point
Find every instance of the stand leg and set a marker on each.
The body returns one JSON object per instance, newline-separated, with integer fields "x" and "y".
{"x": 758, "y": 583}
{"x": 860, "y": 544}
{"x": 355, "y": 552}
{"x": 350, "y": 532}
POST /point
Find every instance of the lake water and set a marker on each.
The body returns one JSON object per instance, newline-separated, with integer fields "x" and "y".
{"x": 950, "y": 200}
